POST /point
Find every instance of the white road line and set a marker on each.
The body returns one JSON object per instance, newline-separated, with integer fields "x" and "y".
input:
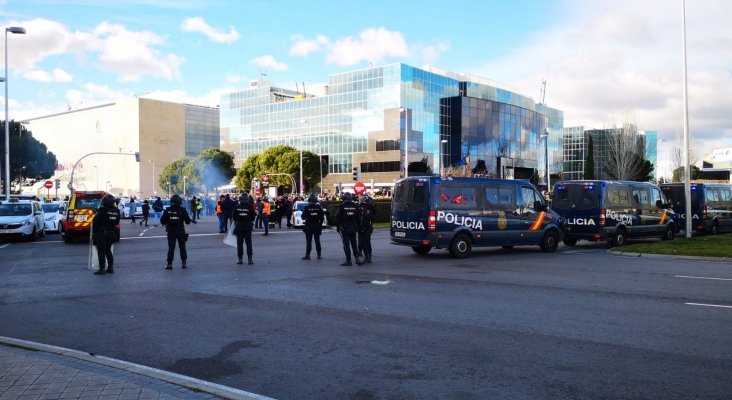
{"x": 707, "y": 305}
{"x": 703, "y": 277}
{"x": 5, "y": 245}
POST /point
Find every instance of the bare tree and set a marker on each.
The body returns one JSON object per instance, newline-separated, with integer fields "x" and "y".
{"x": 625, "y": 157}
{"x": 677, "y": 154}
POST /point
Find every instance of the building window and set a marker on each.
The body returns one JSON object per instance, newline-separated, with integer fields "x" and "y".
{"x": 381, "y": 166}
{"x": 386, "y": 145}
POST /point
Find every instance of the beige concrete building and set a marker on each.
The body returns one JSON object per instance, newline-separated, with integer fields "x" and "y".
{"x": 160, "y": 131}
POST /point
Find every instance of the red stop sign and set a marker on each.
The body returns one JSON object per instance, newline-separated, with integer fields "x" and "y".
{"x": 48, "y": 184}
{"x": 359, "y": 188}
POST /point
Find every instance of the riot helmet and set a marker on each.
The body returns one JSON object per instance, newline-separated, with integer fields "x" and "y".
{"x": 244, "y": 199}
{"x": 347, "y": 196}
{"x": 175, "y": 199}
{"x": 108, "y": 200}
{"x": 312, "y": 199}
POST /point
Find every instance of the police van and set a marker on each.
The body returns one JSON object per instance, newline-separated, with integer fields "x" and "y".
{"x": 711, "y": 205}
{"x": 612, "y": 211}
{"x": 461, "y": 213}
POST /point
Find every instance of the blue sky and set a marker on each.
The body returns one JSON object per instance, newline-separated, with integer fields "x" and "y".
{"x": 604, "y": 63}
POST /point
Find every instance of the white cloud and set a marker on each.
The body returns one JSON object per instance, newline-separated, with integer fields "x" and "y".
{"x": 57, "y": 75}
{"x": 625, "y": 57}
{"x": 269, "y": 62}
{"x": 372, "y": 45}
{"x": 303, "y": 47}
{"x": 198, "y": 24}
{"x": 94, "y": 94}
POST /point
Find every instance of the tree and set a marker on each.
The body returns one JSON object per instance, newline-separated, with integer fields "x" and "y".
{"x": 679, "y": 173}
{"x": 281, "y": 159}
{"x": 589, "y": 172}
{"x": 173, "y": 173}
{"x": 29, "y": 158}
{"x": 625, "y": 156}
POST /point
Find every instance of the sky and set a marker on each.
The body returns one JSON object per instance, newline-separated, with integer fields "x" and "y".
{"x": 604, "y": 62}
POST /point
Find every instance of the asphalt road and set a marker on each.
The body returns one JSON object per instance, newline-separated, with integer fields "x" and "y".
{"x": 519, "y": 324}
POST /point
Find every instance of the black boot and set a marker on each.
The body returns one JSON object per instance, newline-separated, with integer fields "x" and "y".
{"x": 358, "y": 261}
{"x": 184, "y": 266}
{"x": 110, "y": 270}
{"x": 250, "y": 262}
{"x": 169, "y": 266}
{"x": 347, "y": 264}
{"x": 240, "y": 261}
{"x": 100, "y": 271}
{"x": 319, "y": 257}
{"x": 307, "y": 257}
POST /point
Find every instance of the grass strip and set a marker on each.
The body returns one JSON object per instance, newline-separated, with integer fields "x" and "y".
{"x": 701, "y": 245}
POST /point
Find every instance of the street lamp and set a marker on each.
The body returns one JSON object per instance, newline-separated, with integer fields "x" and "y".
{"x": 439, "y": 165}
{"x": 16, "y": 30}
{"x": 152, "y": 193}
{"x": 406, "y": 138}
{"x": 320, "y": 168}
{"x": 546, "y": 158}
{"x": 184, "y": 186}
{"x": 96, "y": 168}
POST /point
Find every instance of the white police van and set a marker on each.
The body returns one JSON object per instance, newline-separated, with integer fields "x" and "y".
{"x": 461, "y": 213}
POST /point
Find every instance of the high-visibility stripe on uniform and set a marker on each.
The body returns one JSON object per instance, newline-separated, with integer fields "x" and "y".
{"x": 537, "y": 223}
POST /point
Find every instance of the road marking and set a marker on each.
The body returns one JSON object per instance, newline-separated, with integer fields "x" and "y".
{"x": 5, "y": 245}
{"x": 707, "y": 305}
{"x": 703, "y": 277}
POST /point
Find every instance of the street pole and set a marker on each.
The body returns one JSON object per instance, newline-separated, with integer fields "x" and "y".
{"x": 406, "y": 140}
{"x": 687, "y": 167}
{"x": 152, "y": 192}
{"x": 301, "y": 192}
{"x": 17, "y": 30}
{"x": 546, "y": 161}
{"x": 184, "y": 186}
{"x": 439, "y": 172}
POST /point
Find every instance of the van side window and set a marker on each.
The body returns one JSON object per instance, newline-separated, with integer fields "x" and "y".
{"x": 618, "y": 197}
{"x": 528, "y": 196}
{"x": 455, "y": 197}
{"x": 712, "y": 196}
{"x": 725, "y": 195}
{"x": 642, "y": 198}
{"x": 499, "y": 198}
{"x": 655, "y": 196}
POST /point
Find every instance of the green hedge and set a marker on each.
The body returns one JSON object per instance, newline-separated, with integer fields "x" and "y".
{"x": 383, "y": 210}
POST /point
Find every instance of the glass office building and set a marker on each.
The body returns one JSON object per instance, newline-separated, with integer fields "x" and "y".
{"x": 375, "y": 117}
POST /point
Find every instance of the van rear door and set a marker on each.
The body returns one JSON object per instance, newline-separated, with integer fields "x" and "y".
{"x": 410, "y": 210}
{"x": 579, "y": 204}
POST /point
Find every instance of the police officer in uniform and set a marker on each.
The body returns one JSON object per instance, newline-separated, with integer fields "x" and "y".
{"x": 104, "y": 235}
{"x": 347, "y": 220}
{"x": 367, "y": 213}
{"x": 173, "y": 218}
{"x": 313, "y": 216}
{"x": 243, "y": 216}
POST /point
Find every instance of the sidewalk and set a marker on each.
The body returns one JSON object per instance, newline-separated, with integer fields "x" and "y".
{"x": 36, "y": 371}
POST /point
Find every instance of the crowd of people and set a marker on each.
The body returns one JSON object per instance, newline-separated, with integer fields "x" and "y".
{"x": 243, "y": 214}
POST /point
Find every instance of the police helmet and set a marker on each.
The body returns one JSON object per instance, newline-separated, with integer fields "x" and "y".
{"x": 312, "y": 199}
{"x": 175, "y": 199}
{"x": 347, "y": 196}
{"x": 108, "y": 200}
{"x": 244, "y": 198}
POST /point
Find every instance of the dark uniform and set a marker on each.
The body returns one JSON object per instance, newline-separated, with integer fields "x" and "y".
{"x": 367, "y": 213}
{"x": 173, "y": 218}
{"x": 347, "y": 219}
{"x": 104, "y": 233}
{"x": 313, "y": 217}
{"x": 243, "y": 216}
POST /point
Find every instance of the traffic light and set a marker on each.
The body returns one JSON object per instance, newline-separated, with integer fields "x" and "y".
{"x": 58, "y": 183}
{"x": 356, "y": 173}
{"x": 137, "y": 156}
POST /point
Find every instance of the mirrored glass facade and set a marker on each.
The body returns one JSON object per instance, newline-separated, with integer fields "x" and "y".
{"x": 202, "y": 129}
{"x": 372, "y": 118}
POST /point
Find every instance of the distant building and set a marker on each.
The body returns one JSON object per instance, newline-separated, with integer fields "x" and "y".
{"x": 371, "y": 118}
{"x": 160, "y": 131}
{"x": 576, "y": 146}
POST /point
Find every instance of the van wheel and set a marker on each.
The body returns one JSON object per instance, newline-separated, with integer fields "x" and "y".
{"x": 421, "y": 250}
{"x": 670, "y": 234}
{"x": 508, "y": 247}
{"x": 570, "y": 242}
{"x": 549, "y": 242}
{"x": 618, "y": 239}
{"x": 460, "y": 246}
{"x": 715, "y": 228}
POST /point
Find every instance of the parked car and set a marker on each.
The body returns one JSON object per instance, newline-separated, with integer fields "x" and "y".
{"x": 53, "y": 213}
{"x": 125, "y": 209}
{"x": 297, "y": 220}
{"x": 21, "y": 219}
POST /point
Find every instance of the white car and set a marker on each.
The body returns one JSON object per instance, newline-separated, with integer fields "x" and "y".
{"x": 125, "y": 210}
{"x": 53, "y": 213}
{"x": 297, "y": 220}
{"x": 21, "y": 219}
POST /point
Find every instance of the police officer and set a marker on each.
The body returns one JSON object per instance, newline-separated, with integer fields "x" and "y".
{"x": 173, "y": 218}
{"x": 104, "y": 235}
{"x": 347, "y": 220}
{"x": 243, "y": 216}
{"x": 367, "y": 213}
{"x": 313, "y": 217}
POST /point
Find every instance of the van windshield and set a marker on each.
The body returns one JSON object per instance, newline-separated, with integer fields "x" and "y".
{"x": 576, "y": 197}
{"x": 88, "y": 202}
{"x": 411, "y": 195}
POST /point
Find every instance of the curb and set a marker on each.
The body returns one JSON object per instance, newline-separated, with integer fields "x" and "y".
{"x": 671, "y": 256}
{"x": 170, "y": 377}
